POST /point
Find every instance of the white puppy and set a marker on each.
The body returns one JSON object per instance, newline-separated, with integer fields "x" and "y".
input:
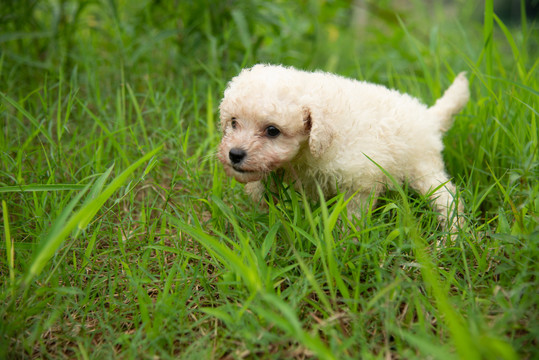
{"x": 321, "y": 129}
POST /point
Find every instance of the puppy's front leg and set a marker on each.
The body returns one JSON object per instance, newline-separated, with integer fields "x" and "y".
{"x": 361, "y": 203}
{"x": 255, "y": 190}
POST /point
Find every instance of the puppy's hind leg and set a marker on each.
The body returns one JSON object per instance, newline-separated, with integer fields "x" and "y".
{"x": 444, "y": 197}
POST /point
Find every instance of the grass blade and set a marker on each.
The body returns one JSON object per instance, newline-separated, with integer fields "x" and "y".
{"x": 41, "y": 187}
{"x": 514, "y": 48}
{"x": 63, "y": 227}
{"x": 225, "y": 255}
{"x": 90, "y": 247}
{"x": 29, "y": 116}
{"x": 10, "y": 249}
{"x": 488, "y": 33}
{"x": 140, "y": 120}
{"x": 286, "y": 319}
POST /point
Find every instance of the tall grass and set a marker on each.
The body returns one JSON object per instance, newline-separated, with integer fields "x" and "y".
{"x": 124, "y": 238}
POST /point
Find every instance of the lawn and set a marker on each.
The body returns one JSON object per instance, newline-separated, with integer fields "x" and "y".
{"x": 121, "y": 236}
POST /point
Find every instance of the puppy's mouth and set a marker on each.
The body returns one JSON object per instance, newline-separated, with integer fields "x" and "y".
{"x": 239, "y": 169}
{"x": 243, "y": 174}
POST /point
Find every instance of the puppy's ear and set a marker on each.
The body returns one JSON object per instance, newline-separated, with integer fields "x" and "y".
{"x": 321, "y": 133}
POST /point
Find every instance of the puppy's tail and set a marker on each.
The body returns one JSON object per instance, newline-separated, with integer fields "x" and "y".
{"x": 453, "y": 100}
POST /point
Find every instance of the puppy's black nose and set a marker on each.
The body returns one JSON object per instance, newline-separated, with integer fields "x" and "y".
{"x": 236, "y": 155}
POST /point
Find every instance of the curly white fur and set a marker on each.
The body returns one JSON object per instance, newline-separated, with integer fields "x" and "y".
{"x": 329, "y": 126}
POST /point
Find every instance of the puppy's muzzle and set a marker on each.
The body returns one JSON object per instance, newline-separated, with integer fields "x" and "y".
{"x": 236, "y": 156}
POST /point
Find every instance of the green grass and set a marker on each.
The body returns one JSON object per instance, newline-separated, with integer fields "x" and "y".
{"x": 123, "y": 238}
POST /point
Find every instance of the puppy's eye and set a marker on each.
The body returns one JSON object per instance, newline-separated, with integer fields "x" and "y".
{"x": 233, "y": 123}
{"x": 272, "y": 131}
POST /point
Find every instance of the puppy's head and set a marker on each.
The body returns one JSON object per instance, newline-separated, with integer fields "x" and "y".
{"x": 264, "y": 126}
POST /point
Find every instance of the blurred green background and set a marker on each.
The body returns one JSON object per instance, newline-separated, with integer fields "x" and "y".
{"x": 186, "y": 41}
